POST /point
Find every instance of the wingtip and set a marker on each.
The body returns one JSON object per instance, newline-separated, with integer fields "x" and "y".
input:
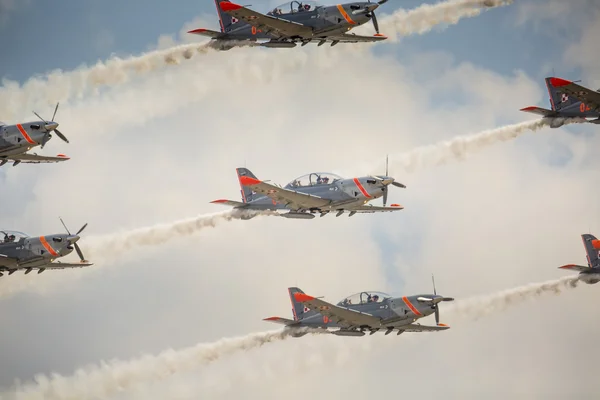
{"x": 396, "y": 205}
{"x": 443, "y": 325}
{"x": 63, "y": 156}
{"x": 302, "y": 297}
{"x": 229, "y": 6}
{"x": 271, "y": 319}
{"x": 199, "y": 30}
{"x": 248, "y": 181}
{"x": 380, "y": 35}
{"x": 558, "y": 82}
{"x": 568, "y": 266}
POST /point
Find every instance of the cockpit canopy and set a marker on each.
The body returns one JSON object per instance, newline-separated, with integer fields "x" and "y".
{"x": 11, "y": 236}
{"x": 294, "y": 6}
{"x": 312, "y": 179}
{"x": 364, "y": 298}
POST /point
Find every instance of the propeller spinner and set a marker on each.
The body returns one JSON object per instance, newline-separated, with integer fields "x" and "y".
{"x": 74, "y": 238}
{"x": 51, "y": 127}
{"x": 387, "y": 180}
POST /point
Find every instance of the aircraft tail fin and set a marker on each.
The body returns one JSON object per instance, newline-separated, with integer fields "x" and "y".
{"x": 592, "y": 249}
{"x": 226, "y": 21}
{"x": 247, "y": 193}
{"x": 558, "y": 100}
{"x": 300, "y": 310}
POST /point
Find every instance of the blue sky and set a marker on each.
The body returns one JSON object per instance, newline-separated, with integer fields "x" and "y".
{"x": 87, "y": 31}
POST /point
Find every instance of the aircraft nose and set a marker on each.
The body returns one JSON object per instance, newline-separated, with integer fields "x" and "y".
{"x": 73, "y": 239}
{"x": 50, "y": 126}
{"x": 387, "y": 180}
{"x": 371, "y": 6}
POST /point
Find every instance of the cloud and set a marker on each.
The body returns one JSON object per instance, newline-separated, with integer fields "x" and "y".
{"x": 160, "y": 147}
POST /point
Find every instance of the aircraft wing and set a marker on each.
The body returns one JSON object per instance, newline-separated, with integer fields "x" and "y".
{"x": 345, "y": 317}
{"x": 62, "y": 265}
{"x": 36, "y": 159}
{"x": 371, "y": 209}
{"x": 294, "y": 200}
{"x": 423, "y": 328}
{"x": 591, "y": 98}
{"x": 6, "y": 261}
{"x": 268, "y": 24}
{"x": 353, "y": 38}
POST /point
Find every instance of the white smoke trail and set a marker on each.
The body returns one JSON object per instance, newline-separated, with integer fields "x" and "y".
{"x": 115, "y": 244}
{"x": 102, "y": 249}
{"x": 477, "y": 307}
{"x": 427, "y": 16}
{"x": 108, "y": 378}
{"x": 459, "y": 147}
{"x": 40, "y": 91}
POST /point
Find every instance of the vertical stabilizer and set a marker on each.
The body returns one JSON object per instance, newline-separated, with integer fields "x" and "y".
{"x": 247, "y": 193}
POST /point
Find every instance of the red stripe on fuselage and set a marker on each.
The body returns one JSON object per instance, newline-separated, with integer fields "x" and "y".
{"x": 25, "y": 135}
{"x": 409, "y": 304}
{"x": 47, "y": 246}
{"x": 361, "y": 188}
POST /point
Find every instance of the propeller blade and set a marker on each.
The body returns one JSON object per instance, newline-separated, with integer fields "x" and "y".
{"x": 386, "y": 166}
{"x": 437, "y": 315}
{"x": 81, "y": 229}
{"x": 376, "y": 25}
{"x": 398, "y": 184}
{"x": 38, "y": 115}
{"x": 60, "y": 135}
{"x": 55, "y": 110}
{"x": 380, "y": 2}
{"x": 385, "y": 194}
{"x": 79, "y": 253}
{"x": 433, "y": 281}
{"x": 63, "y": 223}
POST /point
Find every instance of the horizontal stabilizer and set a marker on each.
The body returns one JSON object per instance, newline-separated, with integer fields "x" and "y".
{"x": 574, "y": 267}
{"x": 540, "y": 111}
{"x": 282, "y": 321}
{"x": 231, "y": 203}
{"x": 206, "y": 32}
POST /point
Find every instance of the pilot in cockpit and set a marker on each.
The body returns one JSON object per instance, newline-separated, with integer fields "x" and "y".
{"x": 375, "y": 298}
{"x": 9, "y": 238}
{"x": 307, "y": 7}
{"x": 300, "y": 7}
{"x": 325, "y": 180}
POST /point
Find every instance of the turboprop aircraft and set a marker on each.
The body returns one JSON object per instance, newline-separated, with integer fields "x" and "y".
{"x": 17, "y": 140}
{"x": 299, "y": 21}
{"x": 361, "y": 312}
{"x": 317, "y": 192}
{"x": 19, "y": 251}
{"x": 568, "y": 100}
{"x": 591, "y": 273}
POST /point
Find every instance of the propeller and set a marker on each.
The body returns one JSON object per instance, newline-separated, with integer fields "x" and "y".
{"x": 436, "y": 302}
{"x": 371, "y": 14}
{"x": 76, "y": 237}
{"x": 51, "y": 127}
{"x": 387, "y": 180}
